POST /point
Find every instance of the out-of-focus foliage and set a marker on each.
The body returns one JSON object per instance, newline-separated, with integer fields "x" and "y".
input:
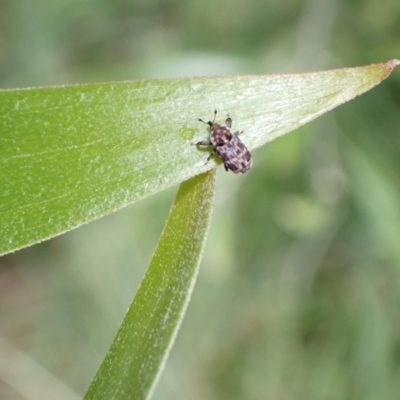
{"x": 299, "y": 292}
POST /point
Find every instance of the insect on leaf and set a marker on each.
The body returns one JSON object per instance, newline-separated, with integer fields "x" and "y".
{"x": 72, "y": 154}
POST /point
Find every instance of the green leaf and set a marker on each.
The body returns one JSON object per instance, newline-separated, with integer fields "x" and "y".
{"x": 75, "y": 153}
{"x": 141, "y": 345}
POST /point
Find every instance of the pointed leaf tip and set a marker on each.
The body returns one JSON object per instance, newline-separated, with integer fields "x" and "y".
{"x": 390, "y": 66}
{"x": 394, "y": 63}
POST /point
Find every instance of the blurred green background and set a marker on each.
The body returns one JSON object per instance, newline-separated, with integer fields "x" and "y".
{"x": 299, "y": 291}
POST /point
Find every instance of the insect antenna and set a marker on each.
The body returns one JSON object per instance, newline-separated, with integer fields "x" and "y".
{"x": 215, "y": 116}
{"x": 207, "y": 123}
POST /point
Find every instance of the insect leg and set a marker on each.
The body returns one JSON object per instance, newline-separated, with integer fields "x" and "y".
{"x": 202, "y": 143}
{"x": 209, "y": 157}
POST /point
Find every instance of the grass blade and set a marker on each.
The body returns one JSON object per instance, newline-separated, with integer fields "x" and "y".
{"x": 141, "y": 345}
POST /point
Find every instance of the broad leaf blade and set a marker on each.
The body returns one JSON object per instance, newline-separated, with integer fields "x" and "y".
{"x": 141, "y": 346}
{"x": 74, "y": 153}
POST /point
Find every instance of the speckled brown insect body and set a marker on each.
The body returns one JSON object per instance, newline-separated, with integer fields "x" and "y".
{"x": 228, "y": 146}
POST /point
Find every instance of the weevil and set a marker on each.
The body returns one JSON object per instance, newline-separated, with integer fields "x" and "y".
{"x": 231, "y": 150}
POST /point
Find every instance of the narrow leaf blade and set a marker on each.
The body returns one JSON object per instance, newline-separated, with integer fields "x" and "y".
{"x": 141, "y": 345}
